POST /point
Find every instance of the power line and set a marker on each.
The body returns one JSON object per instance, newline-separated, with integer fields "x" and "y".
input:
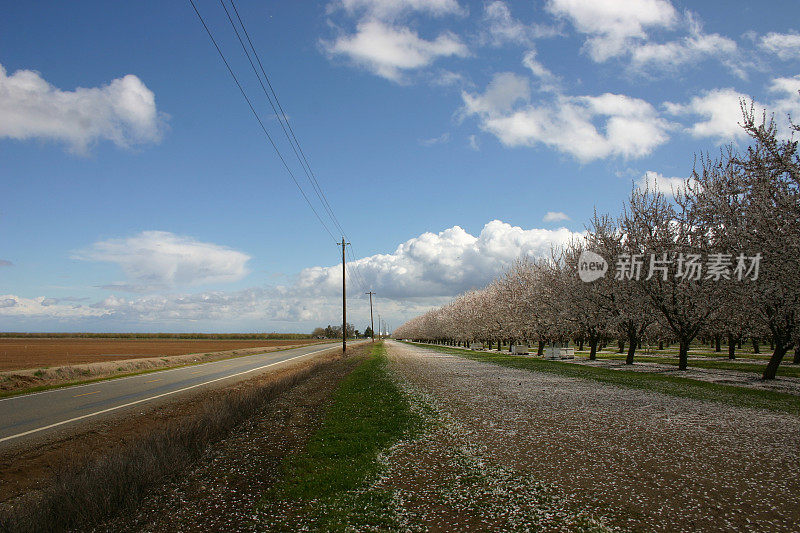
{"x": 282, "y": 117}
{"x": 258, "y": 118}
{"x": 272, "y": 97}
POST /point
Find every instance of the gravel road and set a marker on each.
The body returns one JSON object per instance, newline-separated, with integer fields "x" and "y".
{"x": 644, "y": 461}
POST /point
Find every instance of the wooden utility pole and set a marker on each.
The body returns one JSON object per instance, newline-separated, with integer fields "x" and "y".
{"x": 371, "y": 320}
{"x": 344, "y": 299}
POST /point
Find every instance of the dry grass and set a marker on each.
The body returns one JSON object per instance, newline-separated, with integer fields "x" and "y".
{"x": 88, "y": 491}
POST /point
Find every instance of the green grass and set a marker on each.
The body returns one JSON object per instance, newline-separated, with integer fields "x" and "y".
{"x": 672, "y": 385}
{"x": 783, "y": 370}
{"x": 327, "y": 486}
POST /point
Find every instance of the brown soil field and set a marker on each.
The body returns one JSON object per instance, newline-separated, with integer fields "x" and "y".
{"x": 22, "y": 353}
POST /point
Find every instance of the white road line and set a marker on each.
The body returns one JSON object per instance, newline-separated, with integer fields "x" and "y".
{"x": 104, "y": 380}
{"x": 153, "y": 397}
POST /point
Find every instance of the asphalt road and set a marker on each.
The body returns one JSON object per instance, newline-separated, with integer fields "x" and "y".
{"x": 37, "y": 413}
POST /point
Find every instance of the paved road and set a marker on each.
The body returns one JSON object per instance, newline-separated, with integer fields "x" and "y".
{"x": 37, "y": 413}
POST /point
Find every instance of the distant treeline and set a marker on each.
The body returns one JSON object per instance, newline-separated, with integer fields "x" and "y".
{"x": 205, "y": 336}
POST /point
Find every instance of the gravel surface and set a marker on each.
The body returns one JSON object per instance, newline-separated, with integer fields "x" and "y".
{"x": 644, "y": 461}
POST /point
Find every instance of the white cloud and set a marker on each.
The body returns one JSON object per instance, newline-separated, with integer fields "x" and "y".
{"x": 784, "y": 45}
{"x": 123, "y": 112}
{"x": 630, "y": 127}
{"x": 786, "y": 102}
{"x": 614, "y": 26}
{"x": 5, "y": 263}
{"x": 555, "y": 216}
{"x": 45, "y": 308}
{"x": 440, "y": 264}
{"x": 691, "y": 49}
{"x": 155, "y": 260}
{"x": 421, "y": 273}
{"x": 654, "y": 181}
{"x": 390, "y": 51}
{"x": 473, "y": 143}
{"x": 721, "y": 114}
{"x": 547, "y": 80}
{"x": 502, "y": 28}
{"x": 391, "y": 9}
{"x": 444, "y": 138}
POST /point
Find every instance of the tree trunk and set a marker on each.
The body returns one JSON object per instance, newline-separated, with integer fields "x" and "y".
{"x": 717, "y": 343}
{"x": 580, "y": 344}
{"x": 796, "y": 359}
{"x": 621, "y": 347}
{"x": 593, "y": 349}
{"x": 683, "y": 355}
{"x": 660, "y": 345}
{"x": 756, "y": 348}
{"x": 632, "y": 343}
{"x": 731, "y": 346}
{"x": 540, "y": 351}
{"x": 775, "y": 360}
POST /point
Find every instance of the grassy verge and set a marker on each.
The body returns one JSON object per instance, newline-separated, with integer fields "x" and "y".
{"x": 783, "y": 370}
{"x": 51, "y": 386}
{"x": 672, "y": 385}
{"x": 327, "y": 487}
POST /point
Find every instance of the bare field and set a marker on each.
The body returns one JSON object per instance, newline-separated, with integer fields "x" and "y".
{"x": 27, "y": 353}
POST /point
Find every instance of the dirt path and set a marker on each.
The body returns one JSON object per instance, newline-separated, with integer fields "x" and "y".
{"x": 644, "y": 461}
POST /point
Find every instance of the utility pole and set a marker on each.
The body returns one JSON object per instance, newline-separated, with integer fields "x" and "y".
{"x": 344, "y": 299}
{"x": 371, "y": 320}
{"x": 379, "y": 325}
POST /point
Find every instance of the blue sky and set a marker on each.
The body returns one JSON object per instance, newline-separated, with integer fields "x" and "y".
{"x": 137, "y": 192}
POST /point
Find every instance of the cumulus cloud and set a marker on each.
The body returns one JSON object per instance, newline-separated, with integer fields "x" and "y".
{"x": 390, "y": 51}
{"x": 786, "y": 101}
{"x": 612, "y": 26}
{"x": 502, "y": 28}
{"x": 630, "y": 127}
{"x": 12, "y": 306}
{"x": 555, "y": 216}
{"x": 691, "y": 49}
{"x": 154, "y": 260}
{"x": 391, "y": 9}
{"x": 654, "y": 181}
{"x": 123, "y": 112}
{"x": 421, "y": 273}
{"x": 784, "y": 45}
{"x": 720, "y": 110}
{"x": 441, "y": 264}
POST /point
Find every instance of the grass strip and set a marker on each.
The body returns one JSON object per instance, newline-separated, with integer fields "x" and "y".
{"x": 783, "y": 370}
{"x": 327, "y": 487}
{"x": 672, "y": 385}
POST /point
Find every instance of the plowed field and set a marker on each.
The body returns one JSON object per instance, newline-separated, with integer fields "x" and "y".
{"x": 17, "y": 354}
